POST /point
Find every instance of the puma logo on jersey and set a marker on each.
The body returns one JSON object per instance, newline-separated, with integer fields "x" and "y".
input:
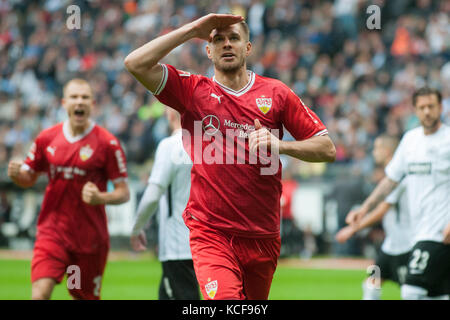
{"x": 216, "y": 96}
{"x": 51, "y": 150}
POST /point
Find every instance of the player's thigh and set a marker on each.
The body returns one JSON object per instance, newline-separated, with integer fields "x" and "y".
{"x": 90, "y": 268}
{"x": 385, "y": 261}
{"x": 429, "y": 267}
{"x": 179, "y": 281}
{"x": 216, "y": 266}
{"x": 259, "y": 258}
{"x": 400, "y": 266}
{"x": 50, "y": 259}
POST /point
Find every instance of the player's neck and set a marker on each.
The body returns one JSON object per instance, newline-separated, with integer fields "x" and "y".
{"x": 386, "y": 161}
{"x": 78, "y": 130}
{"x": 432, "y": 130}
{"x": 175, "y": 129}
{"x": 236, "y": 80}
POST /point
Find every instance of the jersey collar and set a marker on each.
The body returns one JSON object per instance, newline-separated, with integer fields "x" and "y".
{"x": 72, "y": 139}
{"x": 246, "y": 88}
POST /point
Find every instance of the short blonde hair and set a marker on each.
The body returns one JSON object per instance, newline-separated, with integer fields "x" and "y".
{"x": 77, "y": 81}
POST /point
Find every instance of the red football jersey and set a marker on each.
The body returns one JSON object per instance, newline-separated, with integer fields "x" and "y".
{"x": 70, "y": 162}
{"x": 228, "y": 189}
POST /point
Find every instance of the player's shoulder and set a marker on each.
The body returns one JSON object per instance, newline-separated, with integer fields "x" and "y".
{"x": 50, "y": 132}
{"x": 170, "y": 142}
{"x": 183, "y": 73}
{"x": 446, "y": 129}
{"x": 53, "y": 129}
{"x": 104, "y": 135}
{"x": 271, "y": 82}
{"x": 412, "y": 134}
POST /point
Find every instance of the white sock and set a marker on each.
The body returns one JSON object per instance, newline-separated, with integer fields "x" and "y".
{"x": 370, "y": 292}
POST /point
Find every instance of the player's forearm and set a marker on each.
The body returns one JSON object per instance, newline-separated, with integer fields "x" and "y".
{"x": 147, "y": 207}
{"x": 315, "y": 149}
{"x": 383, "y": 189}
{"x": 118, "y": 196}
{"x": 147, "y": 56}
{"x": 374, "y": 216}
{"x": 25, "y": 179}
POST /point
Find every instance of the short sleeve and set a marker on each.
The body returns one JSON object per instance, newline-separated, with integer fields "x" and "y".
{"x": 396, "y": 168}
{"x": 35, "y": 159}
{"x": 395, "y": 195}
{"x": 176, "y": 87}
{"x": 163, "y": 167}
{"x": 299, "y": 120}
{"x": 116, "y": 166}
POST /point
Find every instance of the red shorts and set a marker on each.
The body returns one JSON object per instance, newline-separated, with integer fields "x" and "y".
{"x": 52, "y": 260}
{"x": 230, "y": 267}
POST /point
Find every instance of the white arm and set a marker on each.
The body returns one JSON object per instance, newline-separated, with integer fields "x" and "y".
{"x": 147, "y": 207}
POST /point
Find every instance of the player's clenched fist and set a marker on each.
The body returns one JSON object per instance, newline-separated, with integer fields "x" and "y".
{"x": 14, "y": 168}
{"x": 354, "y": 216}
{"x": 262, "y": 139}
{"x": 91, "y": 195}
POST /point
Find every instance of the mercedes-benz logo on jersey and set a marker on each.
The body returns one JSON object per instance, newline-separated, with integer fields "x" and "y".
{"x": 210, "y": 124}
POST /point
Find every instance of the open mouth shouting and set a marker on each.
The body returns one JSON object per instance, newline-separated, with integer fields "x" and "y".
{"x": 79, "y": 114}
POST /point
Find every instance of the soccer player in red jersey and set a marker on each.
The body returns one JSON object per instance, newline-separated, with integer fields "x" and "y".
{"x": 79, "y": 157}
{"x": 233, "y": 212}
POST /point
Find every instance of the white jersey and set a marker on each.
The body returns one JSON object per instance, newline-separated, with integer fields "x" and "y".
{"x": 396, "y": 223}
{"x": 425, "y": 160}
{"x": 172, "y": 172}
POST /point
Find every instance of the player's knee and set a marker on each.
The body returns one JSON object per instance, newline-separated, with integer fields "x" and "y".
{"x": 40, "y": 293}
{"x": 42, "y": 289}
{"x": 410, "y": 292}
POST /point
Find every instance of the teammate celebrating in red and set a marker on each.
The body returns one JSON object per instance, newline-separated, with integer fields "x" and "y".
{"x": 233, "y": 212}
{"x": 79, "y": 158}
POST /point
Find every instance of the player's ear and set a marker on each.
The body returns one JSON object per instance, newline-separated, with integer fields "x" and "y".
{"x": 64, "y": 103}
{"x": 208, "y": 51}
{"x": 248, "y": 49}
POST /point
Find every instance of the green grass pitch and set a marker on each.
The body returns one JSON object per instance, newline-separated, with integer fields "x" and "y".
{"x": 139, "y": 279}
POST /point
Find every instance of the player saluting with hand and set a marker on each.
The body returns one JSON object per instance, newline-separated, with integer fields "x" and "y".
{"x": 79, "y": 158}
{"x": 233, "y": 211}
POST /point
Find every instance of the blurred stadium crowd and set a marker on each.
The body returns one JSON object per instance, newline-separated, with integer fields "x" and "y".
{"x": 358, "y": 81}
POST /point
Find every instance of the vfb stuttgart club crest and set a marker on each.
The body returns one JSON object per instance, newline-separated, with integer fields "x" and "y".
{"x": 86, "y": 152}
{"x": 264, "y": 104}
{"x": 211, "y": 288}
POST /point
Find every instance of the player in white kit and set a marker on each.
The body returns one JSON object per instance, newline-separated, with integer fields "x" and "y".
{"x": 168, "y": 188}
{"x": 423, "y": 156}
{"x": 393, "y": 257}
